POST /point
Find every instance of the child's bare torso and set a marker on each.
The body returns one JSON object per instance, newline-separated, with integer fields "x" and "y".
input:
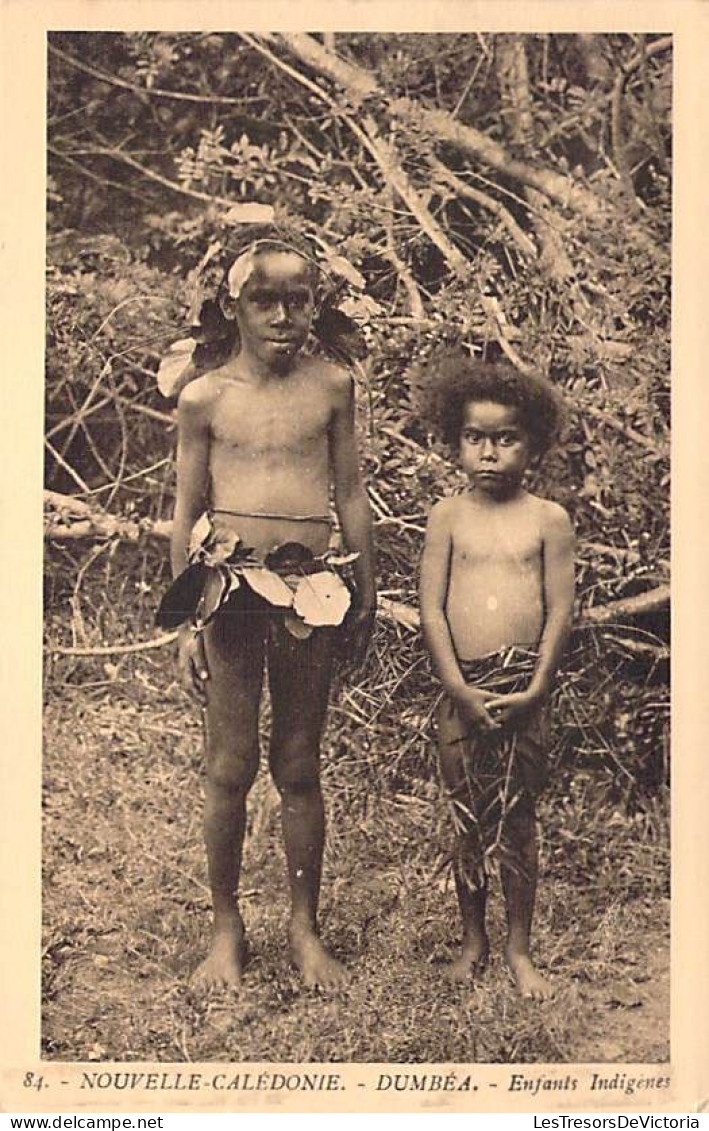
{"x": 269, "y": 452}
{"x": 496, "y": 581}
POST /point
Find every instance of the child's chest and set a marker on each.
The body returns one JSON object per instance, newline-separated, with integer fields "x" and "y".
{"x": 497, "y": 540}
{"x": 278, "y": 416}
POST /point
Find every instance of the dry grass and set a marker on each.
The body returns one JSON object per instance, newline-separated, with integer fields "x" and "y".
{"x": 126, "y": 908}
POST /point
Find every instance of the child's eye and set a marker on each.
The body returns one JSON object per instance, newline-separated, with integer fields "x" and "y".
{"x": 263, "y": 299}
{"x": 508, "y": 438}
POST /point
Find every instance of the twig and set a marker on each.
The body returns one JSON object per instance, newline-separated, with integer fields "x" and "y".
{"x": 66, "y": 466}
{"x": 154, "y": 91}
{"x": 175, "y": 186}
{"x": 620, "y": 426}
{"x": 384, "y": 155}
{"x": 116, "y": 649}
{"x": 153, "y": 413}
{"x": 133, "y": 475}
{"x": 521, "y": 239}
{"x": 389, "y": 252}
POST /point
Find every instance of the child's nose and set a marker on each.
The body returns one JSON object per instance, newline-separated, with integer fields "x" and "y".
{"x": 282, "y": 312}
{"x": 488, "y": 448}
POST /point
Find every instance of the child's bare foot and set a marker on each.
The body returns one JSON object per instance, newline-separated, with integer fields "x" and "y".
{"x": 528, "y": 980}
{"x": 473, "y": 959}
{"x": 317, "y": 967}
{"x": 224, "y": 965}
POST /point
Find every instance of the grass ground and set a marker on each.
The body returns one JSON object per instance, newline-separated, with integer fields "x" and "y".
{"x": 127, "y": 914}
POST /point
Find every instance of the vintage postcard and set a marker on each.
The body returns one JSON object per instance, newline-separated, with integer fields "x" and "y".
{"x": 354, "y": 367}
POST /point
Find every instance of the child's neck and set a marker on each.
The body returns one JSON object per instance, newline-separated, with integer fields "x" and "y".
{"x": 485, "y": 499}
{"x": 245, "y": 365}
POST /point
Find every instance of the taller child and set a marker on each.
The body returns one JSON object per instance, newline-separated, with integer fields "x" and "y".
{"x": 261, "y": 441}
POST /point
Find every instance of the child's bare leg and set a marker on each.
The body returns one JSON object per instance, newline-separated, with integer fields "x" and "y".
{"x": 299, "y": 676}
{"x": 520, "y": 885}
{"x": 472, "y": 899}
{"x": 234, "y": 649}
{"x": 475, "y": 947}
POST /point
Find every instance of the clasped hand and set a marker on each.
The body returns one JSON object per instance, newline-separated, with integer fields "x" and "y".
{"x": 489, "y": 712}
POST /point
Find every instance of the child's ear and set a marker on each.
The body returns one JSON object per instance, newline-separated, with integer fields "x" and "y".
{"x": 227, "y": 305}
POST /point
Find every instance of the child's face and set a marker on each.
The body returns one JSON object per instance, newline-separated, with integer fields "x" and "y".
{"x": 275, "y": 308}
{"x": 495, "y": 450}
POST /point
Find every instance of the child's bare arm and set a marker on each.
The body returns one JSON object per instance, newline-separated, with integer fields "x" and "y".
{"x": 191, "y": 500}
{"x": 192, "y": 470}
{"x": 351, "y": 498}
{"x": 433, "y": 589}
{"x": 558, "y": 567}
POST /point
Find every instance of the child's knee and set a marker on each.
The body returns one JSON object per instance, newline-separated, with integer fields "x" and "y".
{"x": 295, "y": 765}
{"x": 233, "y": 770}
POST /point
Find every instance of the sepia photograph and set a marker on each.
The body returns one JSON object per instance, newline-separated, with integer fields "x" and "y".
{"x": 356, "y": 684}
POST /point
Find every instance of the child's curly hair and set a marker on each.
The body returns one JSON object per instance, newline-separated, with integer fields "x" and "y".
{"x": 450, "y": 380}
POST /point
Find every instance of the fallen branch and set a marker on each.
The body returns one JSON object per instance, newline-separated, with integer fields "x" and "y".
{"x": 408, "y": 617}
{"x": 652, "y": 601}
{"x": 69, "y": 517}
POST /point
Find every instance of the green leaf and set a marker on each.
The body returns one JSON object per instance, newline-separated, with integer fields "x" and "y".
{"x": 289, "y": 557}
{"x": 322, "y": 598}
{"x": 180, "y": 601}
{"x": 269, "y": 586}
{"x": 223, "y": 547}
{"x": 296, "y": 626}
{"x": 217, "y": 588}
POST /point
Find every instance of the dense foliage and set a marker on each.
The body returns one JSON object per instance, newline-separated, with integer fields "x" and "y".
{"x": 511, "y": 194}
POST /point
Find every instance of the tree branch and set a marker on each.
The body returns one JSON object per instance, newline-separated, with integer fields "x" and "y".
{"x": 520, "y": 237}
{"x": 260, "y": 211}
{"x": 359, "y": 85}
{"x": 386, "y": 158}
{"x": 143, "y": 91}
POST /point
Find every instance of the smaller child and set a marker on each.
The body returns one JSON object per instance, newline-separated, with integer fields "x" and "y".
{"x": 496, "y": 590}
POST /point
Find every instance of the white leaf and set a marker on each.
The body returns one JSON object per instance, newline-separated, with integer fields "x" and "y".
{"x": 362, "y": 307}
{"x": 249, "y": 214}
{"x": 322, "y": 598}
{"x": 269, "y": 586}
{"x": 200, "y": 533}
{"x": 239, "y": 272}
{"x": 341, "y": 266}
{"x": 174, "y": 366}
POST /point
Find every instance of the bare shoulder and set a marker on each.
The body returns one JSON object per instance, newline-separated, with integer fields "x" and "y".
{"x": 335, "y": 382}
{"x": 197, "y": 398}
{"x": 443, "y": 515}
{"x": 554, "y": 520}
